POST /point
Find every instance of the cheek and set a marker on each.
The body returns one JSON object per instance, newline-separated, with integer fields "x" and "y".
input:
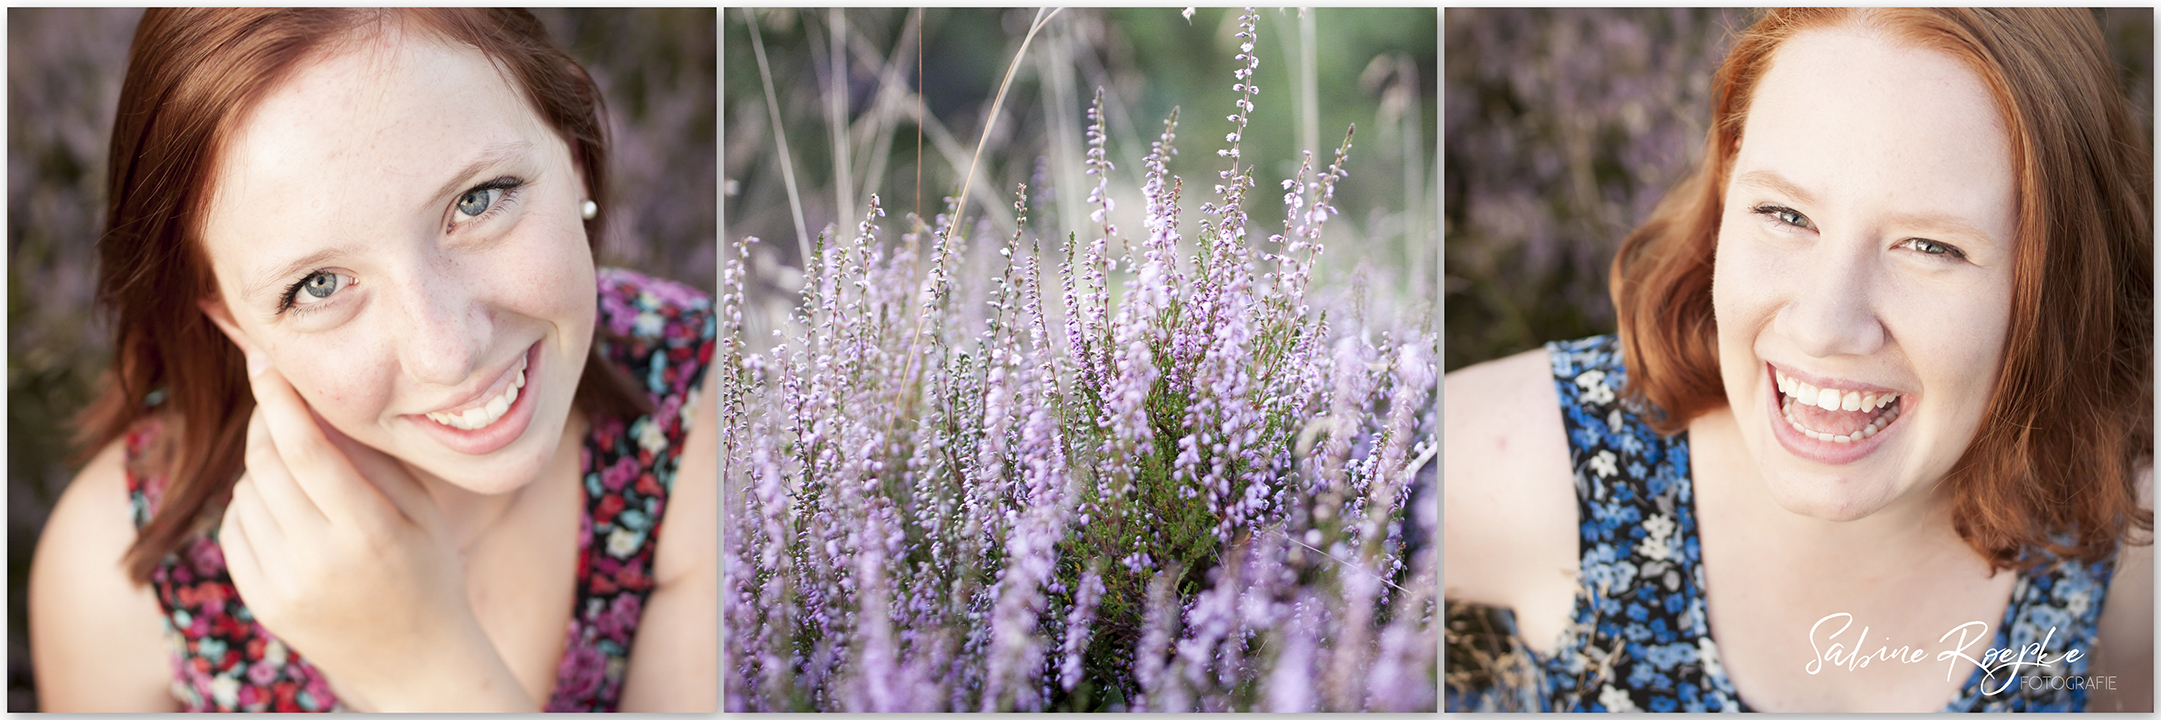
{"x": 1955, "y": 337}
{"x": 550, "y": 276}
{"x": 341, "y": 378}
{"x": 1744, "y": 291}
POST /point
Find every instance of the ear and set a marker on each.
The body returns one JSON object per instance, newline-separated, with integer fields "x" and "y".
{"x": 221, "y": 316}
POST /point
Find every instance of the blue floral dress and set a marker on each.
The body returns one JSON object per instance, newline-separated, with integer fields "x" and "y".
{"x": 661, "y": 334}
{"x": 1641, "y": 597}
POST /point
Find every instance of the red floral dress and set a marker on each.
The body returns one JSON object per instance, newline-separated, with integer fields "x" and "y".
{"x": 225, "y": 661}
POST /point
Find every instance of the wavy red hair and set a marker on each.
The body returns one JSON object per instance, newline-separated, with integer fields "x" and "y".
{"x": 2071, "y": 419}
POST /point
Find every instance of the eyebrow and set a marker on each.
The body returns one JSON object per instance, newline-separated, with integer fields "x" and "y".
{"x": 1931, "y": 222}
{"x": 1940, "y": 225}
{"x": 490, "y": 155}
{"x": 1777, "y": 183}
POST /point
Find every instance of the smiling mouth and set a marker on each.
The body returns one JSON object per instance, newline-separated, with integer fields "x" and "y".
{"x": 1835, "y": 416}
{"x": 485, "y": 412}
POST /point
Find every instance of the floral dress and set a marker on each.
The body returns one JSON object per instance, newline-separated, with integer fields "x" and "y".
{"x": 663, "y": 333}
{"x": 1640, "y": 641}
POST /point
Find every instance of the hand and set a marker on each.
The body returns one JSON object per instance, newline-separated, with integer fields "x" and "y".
{"x": 344, "y": 556}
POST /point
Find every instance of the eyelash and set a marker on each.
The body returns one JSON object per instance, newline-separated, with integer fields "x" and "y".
{"x": 1949, "y": 250}
{"x": 509, "y": 185}
{"x": 285, "y": 300}
{"x": 1776, "y": 212}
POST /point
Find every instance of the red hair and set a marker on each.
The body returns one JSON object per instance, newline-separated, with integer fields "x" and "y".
{"x": 2071, "y": 417}
{"x": 193, "y": 75}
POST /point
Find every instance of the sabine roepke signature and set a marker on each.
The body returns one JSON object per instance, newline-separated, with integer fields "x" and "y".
{"x": 2010, "y": 661}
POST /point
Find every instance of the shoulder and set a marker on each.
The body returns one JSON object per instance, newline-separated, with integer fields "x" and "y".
{"x": 1500, "y": 413}
{"x": 91, "y": 521}
{"x": 2124, "y": 641}
{"x": 659, "y": 331}
{"x": 96, "y": 638}
{"x": 1508, "y": 490}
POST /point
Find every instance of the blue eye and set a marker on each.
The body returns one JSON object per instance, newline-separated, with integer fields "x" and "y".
{"x": 478, "y": 201}
{"x": 316, "y": 287}
{"x": 1784, "y": 214}
{"x": 484, "y": 198}
{"x": 1926, "y": 246}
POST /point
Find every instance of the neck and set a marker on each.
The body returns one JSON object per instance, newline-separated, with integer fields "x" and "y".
{"x": 470, "y": 515}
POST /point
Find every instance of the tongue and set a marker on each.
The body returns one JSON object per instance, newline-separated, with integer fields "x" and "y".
{"x": 1835, "y": 422}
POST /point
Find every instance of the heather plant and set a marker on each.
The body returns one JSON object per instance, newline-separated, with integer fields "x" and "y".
{"x": 1034, "y": 488}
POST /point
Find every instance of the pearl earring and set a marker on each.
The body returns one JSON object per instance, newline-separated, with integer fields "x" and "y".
{"x": 589, "y": 210}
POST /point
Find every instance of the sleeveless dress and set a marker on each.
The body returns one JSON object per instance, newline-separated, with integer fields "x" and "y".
{"x": 1640, "y": 640}
{"x": 225, "y": 661}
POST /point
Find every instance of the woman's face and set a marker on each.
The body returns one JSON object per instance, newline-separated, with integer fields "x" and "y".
{"x": 1863, "y": 282}
{"x": 400, "y": 234}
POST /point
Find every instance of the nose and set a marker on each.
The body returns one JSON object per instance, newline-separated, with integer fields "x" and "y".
{"x": 1832, "y": 308}
{"x": 445, "y": 326}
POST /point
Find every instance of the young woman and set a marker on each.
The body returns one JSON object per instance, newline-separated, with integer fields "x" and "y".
{"x": 1881, "y": 398}
{"x": 378, "y": 432}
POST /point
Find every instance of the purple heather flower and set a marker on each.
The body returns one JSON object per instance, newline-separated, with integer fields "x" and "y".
{"x": 925, "y": 448}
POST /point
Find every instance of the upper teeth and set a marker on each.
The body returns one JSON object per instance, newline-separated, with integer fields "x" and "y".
{"x": 1829, "y": 399}
{"x": 484, "y": 414}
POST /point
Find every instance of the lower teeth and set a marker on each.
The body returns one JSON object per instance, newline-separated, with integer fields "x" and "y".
{"x": 1883, "y": 420}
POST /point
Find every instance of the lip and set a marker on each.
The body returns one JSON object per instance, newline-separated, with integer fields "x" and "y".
{"x": 1839, "y": 384}
{"x": 1818, "y": 451}
{"x": 504, "y": 430}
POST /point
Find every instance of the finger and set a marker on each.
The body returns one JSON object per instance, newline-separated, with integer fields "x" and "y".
{"x": 316, "y": 466}
{"x": 281, "y": 494}
{"x": 240, "y": 561}
{"x": 388, "y": 476}
{"x": 247, "y": 504}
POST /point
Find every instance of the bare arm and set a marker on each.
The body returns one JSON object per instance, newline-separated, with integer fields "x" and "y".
{"x": 95, "y": 637}
{"x": 675, "y": 661}
{"x": 2123, "y": 650}
{"x": 1508, "y": 494}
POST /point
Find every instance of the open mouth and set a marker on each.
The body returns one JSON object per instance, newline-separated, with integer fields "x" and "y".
{"x": 1833, "y": 426}
{"x": 1831, "y": 415}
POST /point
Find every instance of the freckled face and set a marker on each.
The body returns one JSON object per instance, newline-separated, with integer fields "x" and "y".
{"x": 399, "y": 232}
{"x": 1866, "y": 250}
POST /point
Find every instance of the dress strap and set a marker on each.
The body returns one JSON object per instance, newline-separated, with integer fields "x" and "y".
{"x": 1639, "y": 639}
{"x": 145, "y": 490}
{"x": 662, "y": 335}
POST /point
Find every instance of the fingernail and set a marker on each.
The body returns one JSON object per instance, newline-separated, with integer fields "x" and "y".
{"x": 256, "y": 364}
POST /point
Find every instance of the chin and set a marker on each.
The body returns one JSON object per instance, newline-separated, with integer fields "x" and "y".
{"x": 1854, "y": 489}
{"x": 1837, "y": 498}
{"x": 497, "y": 475}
